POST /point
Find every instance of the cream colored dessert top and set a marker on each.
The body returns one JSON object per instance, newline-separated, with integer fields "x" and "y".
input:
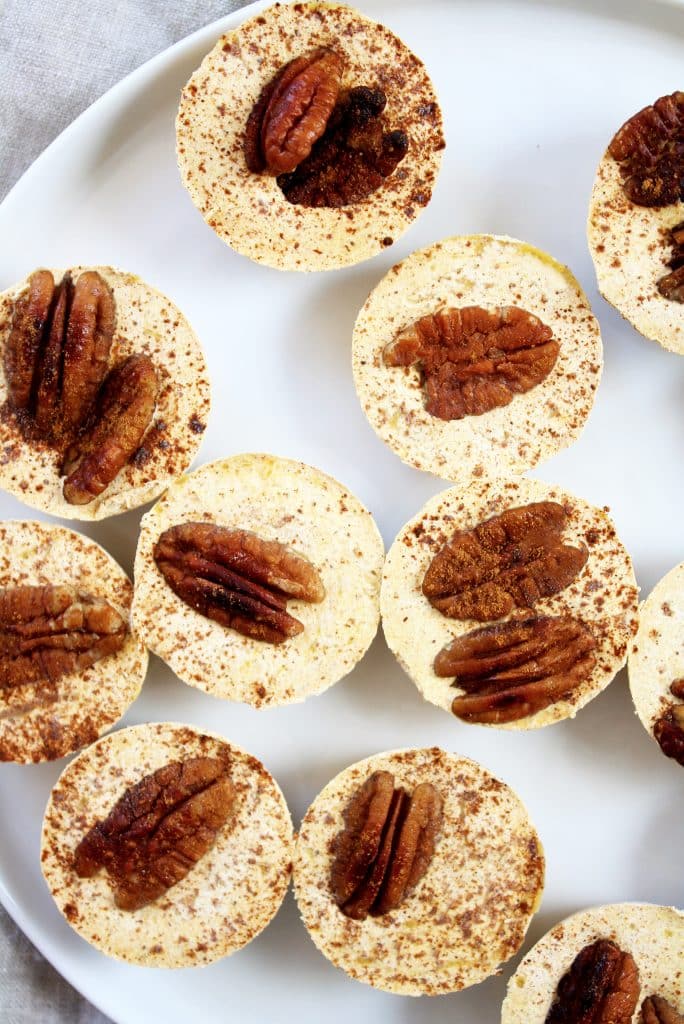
{"x": 223, "y": 902}
{"x": 630, "y": 247}
{"x": 656, "y": 659}
{"x": 33, "y": 725}
{"x": 146, "y": 322}
{"x": 487, "y": 271}
{"x": 248, "y": 210}
{"x": 653, "y": 935}
{"x": 302, "y": 508}
{"x": 470, "y": 911}
{"x": 603, "y": 595}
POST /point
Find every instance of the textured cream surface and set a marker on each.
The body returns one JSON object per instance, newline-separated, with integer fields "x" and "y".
{"x": 653, "y": 935}
{"x": 226, "y": 899}
{"x": 470, "y": 911}
{"x": 248, "y": 210}
{"x": 656, "y": 658}
{"x": 88, "y": 702}
{"x": 487, "y": 271}
{"x": 630, "y": 247}
{"x": 301, "y": 507}
{"x": 146, "y": 322}
{"x": 603, "y": 595}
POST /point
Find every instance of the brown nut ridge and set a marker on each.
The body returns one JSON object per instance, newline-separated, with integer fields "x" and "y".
{"x": 237, "y": 578}
{"x": 47, "y": 632}
{"x": 656, "y": 1010}
{"x": 353, "y": 157}
{"x": 669, "y": 732}
{"x": 650, "y": 151}
{"x": 601, "y": 987}
{"x": 677, "y": 688}
{"x": 473, "y": 360}
{"x": 386, "y": 846}
{"x": 292, "y": 112}
{"x": 514, "y": 669}
{"x": 159, "y": 829}
{"x": 124, "y": 413}
{"x": 509, "y": 561}
{"x": 672, "y": 285}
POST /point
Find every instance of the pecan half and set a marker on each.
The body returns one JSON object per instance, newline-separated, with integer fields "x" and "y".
{"x": 516, "y": 668}
{"x": 510, "y": 561}
{"x": 473, "y": 360}
{"x": 669, "y": 732}
{"x": 292, "y": 112}
{"x": 31, "y": 313}
{"x": 124, "y": 412}
{"x": 672, "y": 285}
{"x": 601, "y": 987}
{"x": 159, "y": 829}
{"x": 650, "y": 151}
{"x": 677, "y": 688}
{"x": 386, "y": 846}
{"x": 47, "y": 632}
{"x": 237, "y": 578}
{"x": 656, "y": 1010}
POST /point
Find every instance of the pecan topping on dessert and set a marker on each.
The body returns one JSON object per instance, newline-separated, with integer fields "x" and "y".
{"x": 672, "y": 285}
{"x": 510, "y": 561}
{"x": 123, "y": 415}
{"x": 656, "y": 1010}
{"x": 472, "y": 360}
{"x": 237, "y": 578}
{"x": 677, "y": 688}
{"x": 669, "y": 732}
{"x": 47, "y": 632}
{"x": 56, "y": 364}
{"x": 328, "y": 147}
{"x": 601, "y": 987}
{"x": 385, "y": 847}
{"x": 516, "y": 668}
{"x": 159, "y": 829}
{"x": 650, "y": 151}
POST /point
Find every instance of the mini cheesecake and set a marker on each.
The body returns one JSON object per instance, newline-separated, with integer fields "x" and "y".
{"x": 310, "y": 137}
{"x": 257, "y": 579}
{"x": 167, "y": 846}
{"x": 636, "y": 222}
{"x": 70, "y": 663}
{"x": 656, "y": 665}
{"x": 631, "y": 954}
{"x": 479, "y": 354}
{"x": 510, "y": 603}
{"x": 65, "y": 448}
{"x": 455, "y": 867}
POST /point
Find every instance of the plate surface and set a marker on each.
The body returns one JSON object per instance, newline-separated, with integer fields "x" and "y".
{"x": 529, "y": 101}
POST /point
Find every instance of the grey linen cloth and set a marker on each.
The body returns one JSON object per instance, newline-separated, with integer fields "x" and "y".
{"x": 55, "y": 59}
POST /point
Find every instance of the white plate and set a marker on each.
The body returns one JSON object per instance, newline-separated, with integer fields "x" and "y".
{"x": 531, "y": 92}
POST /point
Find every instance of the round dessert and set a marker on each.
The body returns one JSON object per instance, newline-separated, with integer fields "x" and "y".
{"x": 477, "y": 355}
{"x": 310, "y": 137}
{"x": 104, "y": 394}
{"x": 603, "y": 964}
{"x": 257, "y": 579}
{"x": 510, "y": 603}
{"x": 656, "y": 664}
{"x": 167, "y": 846}
{"x": 70, "y": 663}
{"x": 636, "y": 222}
{"x": 417, "y": 872}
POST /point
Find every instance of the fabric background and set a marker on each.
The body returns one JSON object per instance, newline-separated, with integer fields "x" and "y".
{"x": 56, "y": 58}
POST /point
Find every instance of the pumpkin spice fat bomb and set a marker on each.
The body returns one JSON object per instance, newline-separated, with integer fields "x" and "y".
{"x": 104, "y": 393}
{"x": 511, "y": 603}
{"x": 166, "y": 846}
{"x": 417, "y": 872}
{"x": 618, "y": 964}
{"x": 310, "y": 137}
{"x": 636, "y": 222}
{"x": 70, "y": 664}
{"x": 479, "y": 354}
{"x": 257, "y": 579}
